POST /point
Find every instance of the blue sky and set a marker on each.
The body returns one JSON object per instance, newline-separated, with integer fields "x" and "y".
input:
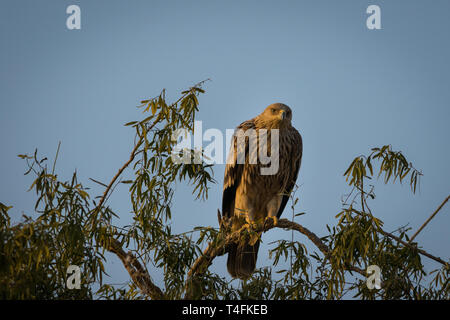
{"x": 350, "y": 89}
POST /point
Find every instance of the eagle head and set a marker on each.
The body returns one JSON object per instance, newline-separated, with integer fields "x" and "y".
{"x": 277, "y": 115}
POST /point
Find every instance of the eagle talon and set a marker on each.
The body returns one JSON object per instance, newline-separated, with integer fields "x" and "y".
{"x": 250, "y": 223}
{"x": 273, "y": 219}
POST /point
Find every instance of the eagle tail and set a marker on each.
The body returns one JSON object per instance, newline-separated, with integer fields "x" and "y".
{"x": 241, "y": 261}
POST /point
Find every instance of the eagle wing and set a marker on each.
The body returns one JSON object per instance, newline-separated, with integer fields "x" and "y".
{"x": 233, "y": 172}
{"x": 297, "y": 152}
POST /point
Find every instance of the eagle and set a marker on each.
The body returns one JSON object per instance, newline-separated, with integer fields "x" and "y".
{"x": 250, "y": 195}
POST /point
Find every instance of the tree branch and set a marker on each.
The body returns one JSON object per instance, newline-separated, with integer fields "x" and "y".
{"x": 283, "y": 223}
{"x": 429, "y": 219}
{"x": 406, "y": 244}
{"x": 219, "y": 247}
{"x": 138, "y": 273}
{"x": 126, "y": 164}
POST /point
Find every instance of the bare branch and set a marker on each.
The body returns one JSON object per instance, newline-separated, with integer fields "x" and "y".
{"x": 429, "y": 219}
{"x": 138, "y": 273}
{"x": 287, "y": 224}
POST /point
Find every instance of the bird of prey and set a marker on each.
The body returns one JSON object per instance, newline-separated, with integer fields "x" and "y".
{"x": 249, "y": 196}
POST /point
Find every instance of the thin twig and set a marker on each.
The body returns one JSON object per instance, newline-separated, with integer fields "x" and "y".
{"x": 98, "y": 182}
{"x": 406, "y": 244}
{"x": 429, "y": 219}
{"x": 56, "y": 158}
{"x": 108, "y": 188}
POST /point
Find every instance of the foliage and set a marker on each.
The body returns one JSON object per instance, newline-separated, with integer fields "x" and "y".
{"x": 72, "y": 228}
{"x": 35, "y": 254}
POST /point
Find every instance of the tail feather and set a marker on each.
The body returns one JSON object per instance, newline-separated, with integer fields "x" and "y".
{"x": 241, "y": 262}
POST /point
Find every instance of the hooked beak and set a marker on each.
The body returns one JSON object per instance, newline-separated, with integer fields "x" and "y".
{"x": 282, "y": 115}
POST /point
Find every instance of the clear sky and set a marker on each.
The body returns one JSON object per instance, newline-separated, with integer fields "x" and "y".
{"x": 350, "y": 89}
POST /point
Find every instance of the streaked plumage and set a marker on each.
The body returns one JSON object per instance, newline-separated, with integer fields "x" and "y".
{"x": 250, "y": 196}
